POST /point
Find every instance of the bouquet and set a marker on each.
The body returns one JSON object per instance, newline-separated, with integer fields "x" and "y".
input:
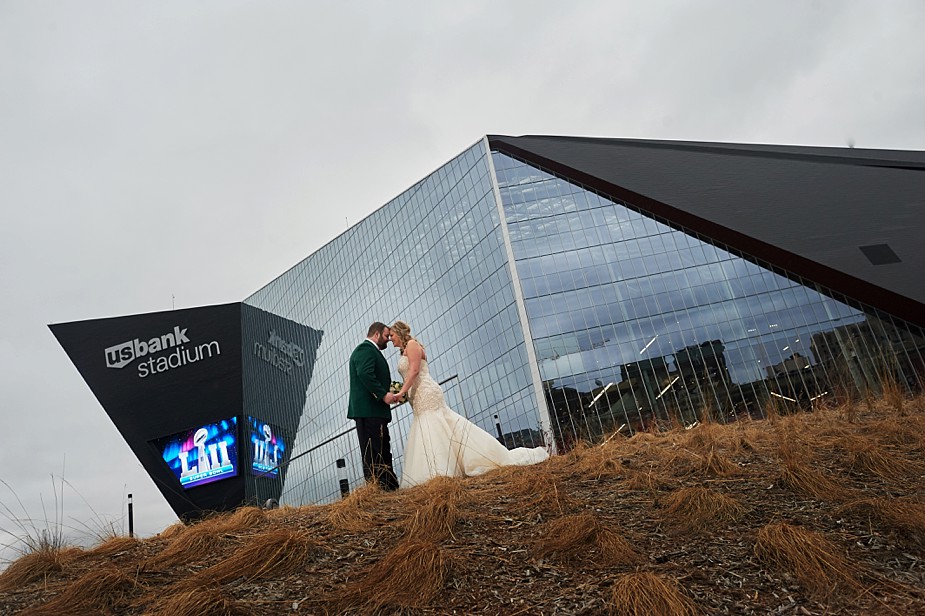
{"x": 394, "y": 388}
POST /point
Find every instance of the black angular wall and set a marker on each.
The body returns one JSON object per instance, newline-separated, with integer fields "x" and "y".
{"x": 278, "y": 360}
{"x": 184, "y": 375}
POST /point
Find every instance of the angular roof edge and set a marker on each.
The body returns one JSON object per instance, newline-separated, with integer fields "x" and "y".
{"x": 807, "y": 210}
{"x": 902, "y": 159}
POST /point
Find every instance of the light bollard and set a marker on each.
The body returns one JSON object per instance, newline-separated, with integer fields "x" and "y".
{"x": 342, "y": 477}
{"x": 131, "y": 517}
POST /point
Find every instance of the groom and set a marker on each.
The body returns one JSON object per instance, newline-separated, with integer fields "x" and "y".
{"x": 369, "y": 405}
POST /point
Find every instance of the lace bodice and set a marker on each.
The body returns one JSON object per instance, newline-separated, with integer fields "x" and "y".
{"x": 425, "y": 394}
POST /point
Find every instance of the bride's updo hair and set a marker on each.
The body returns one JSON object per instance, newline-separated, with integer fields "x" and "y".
{"x": 403, "y": 331}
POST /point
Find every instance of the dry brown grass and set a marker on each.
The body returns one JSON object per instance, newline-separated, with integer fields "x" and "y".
{"x": 288, "y": 513}
{"x": 114, "y": 545}
{"x": 646, "y": 594}
{"x": 435, "y": 509}
{"x": 909, "y": 432}
{"x": 510, "y": 479}
{"x": 812, "y": 559}
{"x": 645, "y": 438}
{"x": 583, "y": 537}
{"x": 666, "y": 459}
{"x": 196, "y": 602}
{"x": 190, "y": 544}
{"x": 793, "y": 444}
{"x": 236, "y": 522}
{"x": 355, "y": 513}
{"x": 823, "y": 428}
{"x": 893, "y": 394}
{"x": 449, "y": 488}
{"x": 804, "y": 479}
{"x": 681, "y": 452}
{"x": 172, "y": 531}
{"x": 38, "y": 565}
{"x": 564, "y": 463}
{"x": 540, "y": 490}
{"x": 698, "y": 508}
{"x": 410, "y": 576}
{"x": 243, "y": 519}
{"x": 102, "y": 590}
{"x": 867, "y": 456}
{"x": 549, "y": 497}
{"x": 604, "y": 460}
{"x": 719, "y": 465}
{"x": 849, "y": 411}
{"x": 476, "y": 527}
{"x": 646, "y": 480}
{"x": 799, "y": 472}
{"x": 705, "y": 436}
{"x": 773, "y": 409}
{"x": 916, "y": 404}
{"x": 274, "y": 553}
{"x": 900, "y": 515}
{"x": 712, "y": 463}
{"x": 754, "y": 436}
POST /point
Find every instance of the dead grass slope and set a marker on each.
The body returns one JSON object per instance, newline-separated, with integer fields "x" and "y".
{"x": 813, "y": 513}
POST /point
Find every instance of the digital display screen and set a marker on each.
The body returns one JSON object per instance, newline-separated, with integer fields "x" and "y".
{"x": 267, "y": 448}
{"x": 204, "y": 454}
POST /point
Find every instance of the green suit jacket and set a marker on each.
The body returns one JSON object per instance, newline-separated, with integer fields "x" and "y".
{"x": 369, "y": 382}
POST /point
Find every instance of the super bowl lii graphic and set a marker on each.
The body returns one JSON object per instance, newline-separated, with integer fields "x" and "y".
{"x": 204, "y": 454}
{"x": 268, "y": 448}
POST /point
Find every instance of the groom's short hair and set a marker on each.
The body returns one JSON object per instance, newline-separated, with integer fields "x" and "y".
{"x": 376, "y": 328}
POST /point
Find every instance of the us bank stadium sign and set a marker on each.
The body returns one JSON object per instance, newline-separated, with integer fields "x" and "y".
{"x": 169, "y": 351}
{"x": 279, "y": 353}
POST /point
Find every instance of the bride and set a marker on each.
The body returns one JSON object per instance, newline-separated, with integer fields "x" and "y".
{"x": 440, "y": 441}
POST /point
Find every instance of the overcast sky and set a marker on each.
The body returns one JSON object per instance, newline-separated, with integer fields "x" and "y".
{"x": 196, "y": 150}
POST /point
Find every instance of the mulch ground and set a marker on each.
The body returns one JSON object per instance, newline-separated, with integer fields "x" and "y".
{"x": 541, "y": 540}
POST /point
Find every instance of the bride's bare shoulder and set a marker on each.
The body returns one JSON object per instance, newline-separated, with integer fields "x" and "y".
{"x": 415, "y": 349}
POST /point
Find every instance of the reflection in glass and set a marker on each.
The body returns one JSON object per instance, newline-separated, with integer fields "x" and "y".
{"x": 633, "y": 322}
{"x": 637, "y": 323}
{"x": 434, "y": 256}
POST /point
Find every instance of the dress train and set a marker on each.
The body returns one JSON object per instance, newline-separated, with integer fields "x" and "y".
{"x": 442, "y": 442}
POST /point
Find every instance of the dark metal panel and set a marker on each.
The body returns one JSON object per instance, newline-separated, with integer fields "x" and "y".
{"x": 807, "y": 210}
{"x": 278, "y": 361}
{"x": 188, "y": 378}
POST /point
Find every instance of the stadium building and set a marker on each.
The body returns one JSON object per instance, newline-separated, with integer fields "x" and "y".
{"x": 564, "y": 288}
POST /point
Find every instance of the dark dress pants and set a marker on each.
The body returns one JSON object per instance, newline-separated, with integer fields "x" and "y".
{"x": 376, "y": 450}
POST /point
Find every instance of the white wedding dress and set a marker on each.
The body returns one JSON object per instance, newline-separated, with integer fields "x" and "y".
{"x": 442, "y": 442}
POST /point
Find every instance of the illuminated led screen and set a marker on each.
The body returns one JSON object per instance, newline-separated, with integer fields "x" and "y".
{"x": 204, "y": 454}
{"x": 267, "y": 448}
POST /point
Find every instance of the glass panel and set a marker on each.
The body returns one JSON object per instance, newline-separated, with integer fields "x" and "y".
{"x": 636, "y": 322}
{"x": 449, "y": 279}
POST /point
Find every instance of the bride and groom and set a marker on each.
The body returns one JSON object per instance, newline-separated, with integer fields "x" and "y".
{"x": 440, "y": 441}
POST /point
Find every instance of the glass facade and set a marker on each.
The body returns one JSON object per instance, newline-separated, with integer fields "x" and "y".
{"x": 448, "y": 277}
{"x": 549, "y": 307}
{"x": 635, "y": 321}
